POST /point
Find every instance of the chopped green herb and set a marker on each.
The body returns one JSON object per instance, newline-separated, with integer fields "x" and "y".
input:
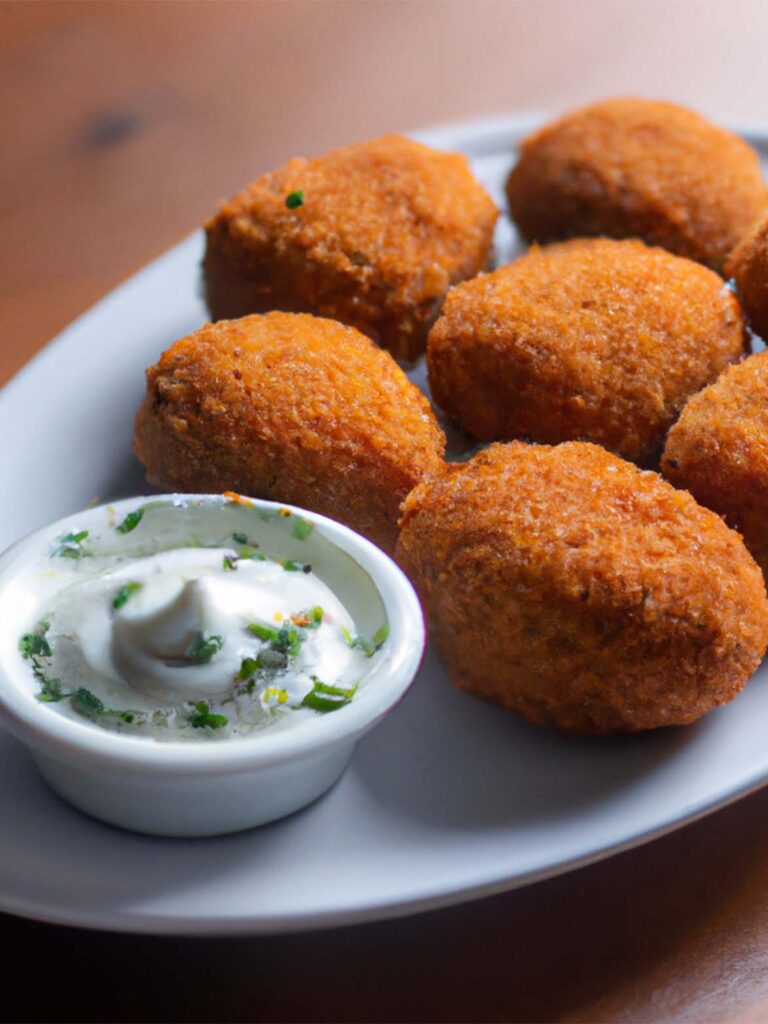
{"x": 240, "y": 538}
{"x": 290, "y": 566}
{"x": 74, "y": 538}
{"x": 34, "y": 645}
{"x": 294, "y": 199}
{"x": 50, "y": 689}
{"x": 90, "y": 706}
{"x": 125, "y": 593}
{"x": 380, "y": 636}
{"x": 248, "y": 667}
{"x": 302, "y": 528}
{"x": 86, "y": 703}
{"x": 204, "y": 648}
{"x": 289, "y": 641}
{"x": 131, "y": 521}
{"x": 70, "y": 545}
{"x": 323, "y": 697}
{"x": 263, "y": 632}
{"x": 202, "y": 717}
{"x": 254, "y": 555}
{"x": 368, "y": 647}
{"x": 285, "y": 640}
{"x": 229, "y": 563}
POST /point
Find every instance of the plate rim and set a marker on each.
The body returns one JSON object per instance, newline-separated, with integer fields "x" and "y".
{"x": 200, "y": 926}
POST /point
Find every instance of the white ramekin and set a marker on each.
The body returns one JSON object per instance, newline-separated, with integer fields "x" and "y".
{"x": 197, "y": 788}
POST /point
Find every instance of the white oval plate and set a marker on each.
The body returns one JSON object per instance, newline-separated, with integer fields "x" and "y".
{"x": 449, "y": 799}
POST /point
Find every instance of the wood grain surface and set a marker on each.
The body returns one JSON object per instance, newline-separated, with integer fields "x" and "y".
{"x": 123, "y": 125}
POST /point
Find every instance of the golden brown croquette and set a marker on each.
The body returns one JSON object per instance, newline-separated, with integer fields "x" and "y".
{"x": 718, "y": 450}
{"x": 372, "y": 234}
{"x": 292, "y": 408}
{"x": 578, "y": 590}
{"x": 748, "y": 266}
{"x": 638, "y": 168}
{"x": 595, "y": 339}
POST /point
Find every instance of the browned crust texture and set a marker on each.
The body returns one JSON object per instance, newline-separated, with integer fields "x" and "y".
{"x": 638, "y": 168}
{"x": 591, "y": 339}
{"x": 748, "y": 266}
{"x": 385, "y": 228}
{"x": 292, "y": 408}
{"x": 577, "y": 590}
{"x": 718, "y": 450}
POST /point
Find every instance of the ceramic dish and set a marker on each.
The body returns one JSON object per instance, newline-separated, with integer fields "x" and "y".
{"x": 208, "y": 786}
{"x": 448, "y": 799}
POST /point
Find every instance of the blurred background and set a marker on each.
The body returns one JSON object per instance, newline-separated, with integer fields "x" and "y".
{"x": 125, "y": 123}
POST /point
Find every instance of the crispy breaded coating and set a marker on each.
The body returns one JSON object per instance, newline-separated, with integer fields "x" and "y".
{"x": 292, "y": 408}
{"x": 579, "y": 591}
{"x": 383, "y": 229}
{"x": 596, "y": 339}
{"x": 748, "y": 266}
{"x": 718, "y": 450}
{"x": 638, "y": 168}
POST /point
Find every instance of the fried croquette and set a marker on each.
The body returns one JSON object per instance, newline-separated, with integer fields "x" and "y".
{"x": 590, "y": 339}
{"x": 718, "y": 450}
{"x": 638, "y": 168}
{"x": 748, "y": 266}
{"x": 373, "y": 235}
{"x": 292, "y": 408}
{"x": 580, "y": 591}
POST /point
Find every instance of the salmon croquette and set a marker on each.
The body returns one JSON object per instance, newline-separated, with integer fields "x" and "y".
{"x": 591, "y": 339}
{"x": 579, "y": 591}
{"x": 718, "y": 450}
{"x": 292, "y": 408}
{"x": 372, "y": 234}
{"x": 748, "y": 266}
{"x": 638, "y": 168}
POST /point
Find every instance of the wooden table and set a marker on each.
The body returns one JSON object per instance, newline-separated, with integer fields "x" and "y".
{"x": 123, "y": 124}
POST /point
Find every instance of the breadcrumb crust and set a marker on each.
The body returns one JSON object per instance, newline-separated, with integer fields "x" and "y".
{"x": 384, "y": 229}
{"x": 638, "y": 168}
{"x": 292, "y": 408}
{"x": 580, "y": 591}
{"x": 748, "y": 266}
{"x": 718, "y": 450}
{"x": 590, "y": 339}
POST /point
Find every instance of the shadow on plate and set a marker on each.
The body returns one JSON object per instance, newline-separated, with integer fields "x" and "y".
{"x": 128, "y": 480}
{"x": 447, "y": 758}
{"x": 57, "y": 862}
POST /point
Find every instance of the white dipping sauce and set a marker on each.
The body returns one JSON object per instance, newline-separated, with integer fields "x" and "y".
{"x": 193, "y": 642}
{"x": 186, "y": 596}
